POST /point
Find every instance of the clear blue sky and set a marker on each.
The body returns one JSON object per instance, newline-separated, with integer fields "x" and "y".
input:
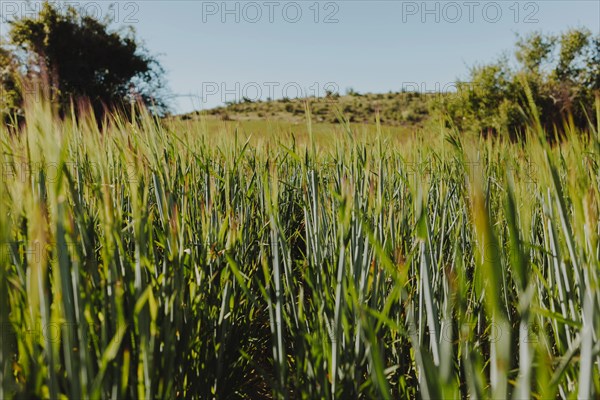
{"x": 218, "y": 51}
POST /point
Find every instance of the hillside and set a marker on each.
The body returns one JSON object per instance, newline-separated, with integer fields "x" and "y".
{"x": 410, "y": 109}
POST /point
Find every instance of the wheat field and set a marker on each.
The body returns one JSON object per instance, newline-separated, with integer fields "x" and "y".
{"x": 169, "y": 260}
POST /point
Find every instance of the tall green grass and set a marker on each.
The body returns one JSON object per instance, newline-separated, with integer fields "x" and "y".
{"x": 144, "y": 261}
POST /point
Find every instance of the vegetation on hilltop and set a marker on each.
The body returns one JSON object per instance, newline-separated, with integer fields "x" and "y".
{"x": 556, "y": 75}
{"x": 399, "y": 109}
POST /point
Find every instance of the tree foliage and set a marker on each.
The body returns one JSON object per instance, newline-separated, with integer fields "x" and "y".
{"x": 561, "y": 72}
{"x": 76, "y": 57}
{"x": 10, "y": 89}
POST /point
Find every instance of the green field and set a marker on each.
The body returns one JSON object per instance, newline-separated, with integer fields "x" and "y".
{"x": 205, "y": 259}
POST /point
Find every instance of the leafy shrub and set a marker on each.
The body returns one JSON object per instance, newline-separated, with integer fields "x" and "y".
{"x": 556, "y": 77}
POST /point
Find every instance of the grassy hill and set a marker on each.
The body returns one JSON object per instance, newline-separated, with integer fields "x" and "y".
{"x": 409, "y": 109}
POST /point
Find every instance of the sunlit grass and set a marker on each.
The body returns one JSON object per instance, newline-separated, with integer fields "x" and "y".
{"x": 208, "y": 259}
